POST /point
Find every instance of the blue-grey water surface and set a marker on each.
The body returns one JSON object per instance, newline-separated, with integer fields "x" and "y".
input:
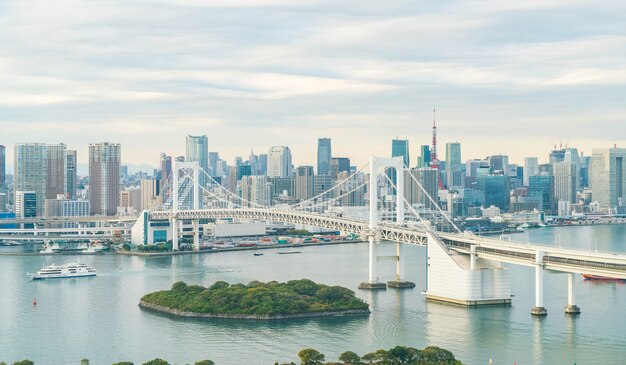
{"x": 98, "y": 318}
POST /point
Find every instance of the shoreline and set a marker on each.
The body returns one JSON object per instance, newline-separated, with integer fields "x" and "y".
{"x": 178, "y": 313}
{"x": 176, "y": 253}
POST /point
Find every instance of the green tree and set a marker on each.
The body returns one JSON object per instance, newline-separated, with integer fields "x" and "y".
{"x": 124, "y": 363}
{"x": 84, "y": 362}
{"x": 204, "y": 362}
{"x": 311, "y": 357}
{"x": 350, "y": 358}
{"x": 156, "y": 361}
{"x": 24, "y": 362}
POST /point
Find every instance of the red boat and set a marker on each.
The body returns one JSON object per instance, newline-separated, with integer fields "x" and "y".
{"x": 598, "y": 277}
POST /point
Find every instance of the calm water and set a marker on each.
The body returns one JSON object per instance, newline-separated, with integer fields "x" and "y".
{"x": 98, "y": 318}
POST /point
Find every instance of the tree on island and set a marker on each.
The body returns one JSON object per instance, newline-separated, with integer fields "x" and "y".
{"x": 311, "y": 357}
{"x": 350, "y": 358}
{"x": 156, "y": 361}
{"x": 204, "y": 362}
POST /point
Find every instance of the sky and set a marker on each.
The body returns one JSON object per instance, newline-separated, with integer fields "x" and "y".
{"x": 512, "y": 77}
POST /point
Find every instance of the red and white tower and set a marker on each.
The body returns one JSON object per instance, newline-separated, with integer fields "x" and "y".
{"x": 434, "y": 161}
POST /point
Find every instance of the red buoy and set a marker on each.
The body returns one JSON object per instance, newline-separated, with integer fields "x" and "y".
{"x": 34, "y": 301}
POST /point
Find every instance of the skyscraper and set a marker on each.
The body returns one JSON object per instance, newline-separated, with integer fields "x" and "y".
{"x": 531, "y": 168}
{"x": 496, "y": 190}
{"x": 263, "y": 164}
{"x": 337, "y": 165}
{"x": 279, "y": 162}
{"x": 71, "y": 176}
{"x": 256, "y": 190}
{"x": 26, "y": 204}
{"x": 30, "y": 169}
{"x": 454, "y": 175}
{"x": 424, "y": 158}
{"x": 304, "y": 182}
{"x": 213, "y": 158}
{"x": 198, "y": 150}
{"x": 453, "y": 156}
{"x": 499, "y": 163}
{"x": 400, "y": 147}
{"x": 3, "y": 171}
{"x": 608, "y": 176}
{"x": 56, "y": 161}
{"x": 542, "y": 186}
{"x": 165, "y": 163}
{"x": 565, "y": 181}
{"x": 104, "y": 177}
{"x": 324, "y": 154}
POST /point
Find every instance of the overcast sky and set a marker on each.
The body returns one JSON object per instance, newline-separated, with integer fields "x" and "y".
{"x": 506, "y": 76}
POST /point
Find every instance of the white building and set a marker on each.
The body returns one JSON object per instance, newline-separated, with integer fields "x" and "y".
{"x": 279, "y": 162}
{"x": 256, "y": 190}
{"x": 531, "y": 168}
{"x": 608, "y": 176}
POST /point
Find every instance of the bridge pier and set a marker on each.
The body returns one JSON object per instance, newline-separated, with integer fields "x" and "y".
{"x": 399, "y": 283}
{"x": 539, "y": 309}
{"x": 372, "y": 283}
{"x": 452, "y": 280}
{"x": 571, "y": 308}
{"x": 174, "y": 234}
{"x": 196, "y": 235}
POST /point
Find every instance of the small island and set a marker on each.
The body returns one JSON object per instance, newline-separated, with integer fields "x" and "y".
{"x": 256, "y": 300}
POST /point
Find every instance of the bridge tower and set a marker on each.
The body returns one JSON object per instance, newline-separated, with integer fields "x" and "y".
{"x": 373, "y": 235}
{"x": 175, "y": 223}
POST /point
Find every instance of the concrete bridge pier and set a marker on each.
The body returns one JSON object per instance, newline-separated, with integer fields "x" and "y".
{"x": 399, "y": 282}
{"x": 174, "y": 234}
{"x": 373, "y": 283}
{"x": 196, "y": 235}
{"x": 539, "y": 309}
{"x": 571, "y": 308}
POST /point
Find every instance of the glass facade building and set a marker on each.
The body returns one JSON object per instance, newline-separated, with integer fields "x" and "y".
{"x": 496, "y": 190}
{"x": 324, "y": 154}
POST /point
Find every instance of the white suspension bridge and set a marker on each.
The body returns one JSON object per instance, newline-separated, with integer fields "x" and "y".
{"x": 462, "y": 268}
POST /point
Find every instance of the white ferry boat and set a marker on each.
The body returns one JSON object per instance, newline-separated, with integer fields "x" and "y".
{"x": 69, "y": 270}
{"x": 51, "y": 248}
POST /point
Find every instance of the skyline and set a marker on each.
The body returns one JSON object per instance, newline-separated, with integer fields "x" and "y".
{"x": 146, "y": 74}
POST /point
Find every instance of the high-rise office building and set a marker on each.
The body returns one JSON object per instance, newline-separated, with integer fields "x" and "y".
{"x": 608, "y": 176}
{"x": 304, "y": 182}
{"x": 71, "y": 176}
{"x": 496, "y": 190}
{"x": 322, "y": 183}
{"x": 263, "y": 164}
{"x": 213, "y": 158}
{"x": 542, "y": 186}
{"x": 454, "y": 176}
{"x": 26, "y": 204}
{"x": 30, "y": 171}
{"x": 165, "y": 185}
{"x": 3, "y": 171}
{"x": 279, "y": 162}
{"x": 149, "y": 192}
{"x": 565, "y": 181}
{"x": 198, "y": 150}
{"x": 104, "y": 177}
{"x": 424, "y": 158}
{"x": 337, "y": 165}
{"x": 256, "y": 191}
{"x": 499, "y": 163}
{"x": 572, "y": 156}
{"x": 531, "y": 168}
{"x": 429, "y": 179}
{"x": 56, "y": 171}
{"x": 471, "y": 166}
{"x": 324, "y": 154}
{"x": 453, "y": 156}
{"x": 557, "y": 155}
{"x": 400, "y": 147}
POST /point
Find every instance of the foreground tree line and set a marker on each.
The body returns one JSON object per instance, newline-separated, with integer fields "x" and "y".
{"x": 399, "y": 355}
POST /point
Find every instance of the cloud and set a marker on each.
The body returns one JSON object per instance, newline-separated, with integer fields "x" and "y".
{"x": 258, "y": 73}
